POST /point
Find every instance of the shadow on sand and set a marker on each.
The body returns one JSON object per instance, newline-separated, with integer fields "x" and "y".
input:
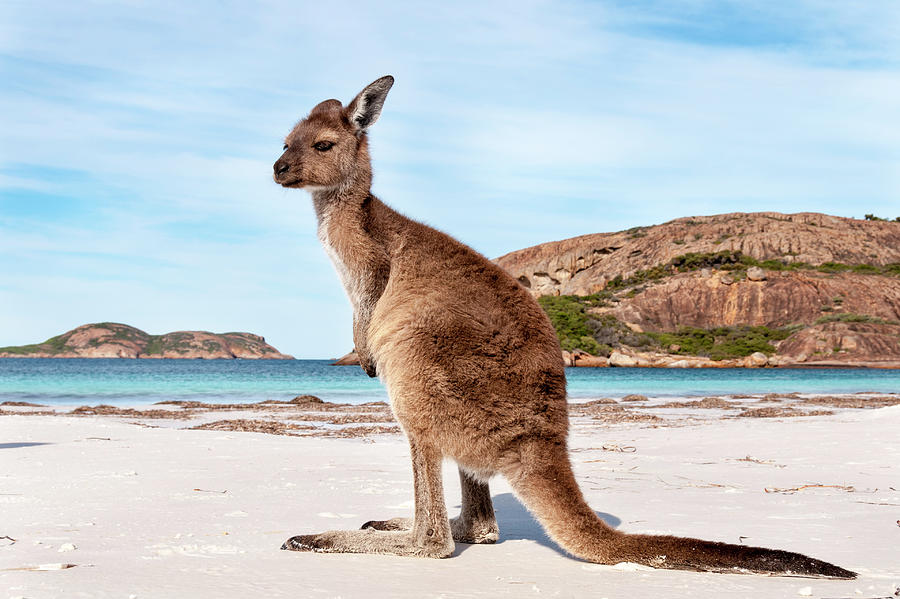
{"x": 19, "y": 445}
{"x": 516, "y": 523}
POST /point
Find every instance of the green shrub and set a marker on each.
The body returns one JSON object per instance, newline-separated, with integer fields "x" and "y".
{"x": 568, "y": 317}
{"x": 832, "y": 267}
{"x": 867, "y": 269}
{"x": 849, "y": 317}
{"x": 720, "y": 343}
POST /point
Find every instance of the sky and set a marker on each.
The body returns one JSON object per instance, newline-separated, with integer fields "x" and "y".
{"x": 137, "y": 139}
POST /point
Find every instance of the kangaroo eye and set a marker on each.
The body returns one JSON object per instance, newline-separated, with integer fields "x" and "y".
{"x": 285, "y": 147}
{"x": 323, "y": 146}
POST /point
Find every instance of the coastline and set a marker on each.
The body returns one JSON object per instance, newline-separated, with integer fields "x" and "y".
{"x": 634, "y": 359}
{"x": 141, "y": 383}
{"x": 89, "y": 489}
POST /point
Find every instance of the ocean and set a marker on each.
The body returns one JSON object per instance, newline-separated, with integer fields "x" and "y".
{"x": 143, "y": 382}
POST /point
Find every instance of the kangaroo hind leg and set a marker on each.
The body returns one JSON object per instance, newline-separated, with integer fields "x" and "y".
{"x": 430, "y": 533}
{"x": 476, "y": 522}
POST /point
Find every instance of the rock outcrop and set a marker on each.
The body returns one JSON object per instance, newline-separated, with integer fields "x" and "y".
{"x": 114, "y": 340}
{"x": 350, "y": 359}
{"x": 843, "y": 344}
{"x": 781, "y": 299}
{"x": 834, "y": 281}
{"x": 583, "y": 265}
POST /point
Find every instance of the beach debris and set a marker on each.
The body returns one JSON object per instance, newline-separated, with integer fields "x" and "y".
{"x": 792, "y": 490}
{"x": 107, "y": 410}
{"x": 208, "y": 491}
{"x": 776, "y": 412}
{"x": 616, "y": 414}
{"x": 304, "y": 399}
{"x": 11, "y": 540}
{"x": 352, "y": 432}
{"x": 596, "y": 402}
{"x": 860, "y": 403}
{"x": 40, "y": 568}
{"x": 707, "y": 403}
{"x": 67, "y": 547}
{"x": 618, "y": 448}
{"x": 635, "y": 397}
{"x": 253, "y": 426}
{"x": 753, "y": 460}
{"x": 698, "y": 484}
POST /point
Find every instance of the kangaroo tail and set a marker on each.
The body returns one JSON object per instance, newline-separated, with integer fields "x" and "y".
{"x": 550, "y": 492}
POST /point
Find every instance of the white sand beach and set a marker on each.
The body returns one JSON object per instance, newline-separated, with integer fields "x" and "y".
{"x": 147, "y": 508}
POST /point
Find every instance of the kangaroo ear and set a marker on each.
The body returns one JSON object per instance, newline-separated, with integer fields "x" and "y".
{"x": 363, "y": 111}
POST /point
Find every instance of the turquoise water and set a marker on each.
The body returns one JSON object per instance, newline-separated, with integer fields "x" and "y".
{"x": 143, "y": 382}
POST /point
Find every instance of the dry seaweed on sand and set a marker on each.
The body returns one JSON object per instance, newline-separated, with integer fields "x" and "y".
{"x": 352, "y": 432}
{"x": 583, "y": 406}
{"x": 792, "y": 490}
{"x": 635, "y": 397}
{"x": 300, "y": 399}
{"x": 707, "y": 403}
{"x": 105, "y": 410}
{"x": 854, "y": 401}
{"x": 28, "y": 412}
{"x": 253, "y": 426}
{"x": 348, "y": 418}
{"x": 775, "y": 412}
{"x": 616, "y": 414}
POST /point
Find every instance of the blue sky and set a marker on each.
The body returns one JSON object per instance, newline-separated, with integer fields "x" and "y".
{"x": 136, "y": 139}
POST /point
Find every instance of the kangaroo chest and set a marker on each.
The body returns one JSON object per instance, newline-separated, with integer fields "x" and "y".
{"x": 351, "y": 275}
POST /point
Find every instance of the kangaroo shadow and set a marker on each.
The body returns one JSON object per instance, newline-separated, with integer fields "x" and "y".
{"x": 516, "y": 523}
{"x": 20, "y": 445}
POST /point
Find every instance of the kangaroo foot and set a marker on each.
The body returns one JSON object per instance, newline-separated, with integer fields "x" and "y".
{"x": 392, "y": 524}
{"x": 373, "y": 541}
{"x": 464, "y": 530}
{"x": 474, "y": 531}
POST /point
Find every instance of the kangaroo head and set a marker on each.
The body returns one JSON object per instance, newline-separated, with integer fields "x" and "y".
{"x": 328, "y": 148}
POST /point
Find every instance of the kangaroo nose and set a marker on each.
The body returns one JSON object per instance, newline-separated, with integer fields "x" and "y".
{"x": 281, "y": 167}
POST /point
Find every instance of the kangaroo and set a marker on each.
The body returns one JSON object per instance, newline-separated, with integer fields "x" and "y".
{"x": 473, "y": 369}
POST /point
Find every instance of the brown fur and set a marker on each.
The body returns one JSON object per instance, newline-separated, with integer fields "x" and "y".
{"x": 472, "y": 366}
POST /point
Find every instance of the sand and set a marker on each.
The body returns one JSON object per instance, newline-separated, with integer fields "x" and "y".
{"x": 152, "y": 507}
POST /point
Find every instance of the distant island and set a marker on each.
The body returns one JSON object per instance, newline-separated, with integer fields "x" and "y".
{"x": 114, "y": 340}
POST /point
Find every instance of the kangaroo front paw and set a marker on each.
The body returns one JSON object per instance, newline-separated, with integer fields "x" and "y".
{"x": 308, "y": 543}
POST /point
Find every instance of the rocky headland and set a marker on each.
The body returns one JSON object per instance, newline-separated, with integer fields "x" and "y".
{"x": 757, "y": 289}
{"x": 114, "y": 340}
